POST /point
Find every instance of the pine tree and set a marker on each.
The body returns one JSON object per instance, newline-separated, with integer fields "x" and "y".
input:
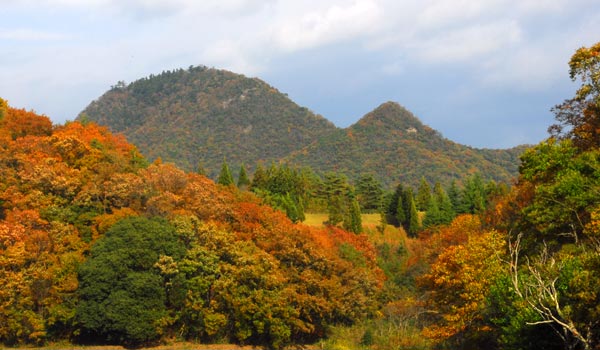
{"x": 225, "y": 177}
{"x": 260, "y": 179}
{"x": 473, "y": 195}
{"x": 335, "y": 190}
{"x": 352, "y": 220}
{"x": 455, "y": 197}
{"x": 432, "y": 215}
{"x": 400, "y": 210}
{"x": 369, "y": 192}
{"x": 243, "y": 181}
{"x": 413, "y": 219}
{"x": 391, "y": 206}
{"x": 423, "y": 195}
{"x": 444, "y": 204}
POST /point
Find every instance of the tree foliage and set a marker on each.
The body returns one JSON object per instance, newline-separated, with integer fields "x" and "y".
{"x": 124, "y": 283}
{"x": 96, "y": 242}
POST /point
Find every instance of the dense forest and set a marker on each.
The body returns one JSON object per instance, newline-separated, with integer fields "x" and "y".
{"x": 189, "y": 117}
{"x": 98, "y": 245}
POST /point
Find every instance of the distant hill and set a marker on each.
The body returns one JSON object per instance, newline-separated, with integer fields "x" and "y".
{"x": 392, "y": 143}
{"x": 202, "y": 115}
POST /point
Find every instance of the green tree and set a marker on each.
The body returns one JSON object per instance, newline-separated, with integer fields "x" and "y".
{"x": 474, "y": 197}
{"x": 225, "y": 177}
{"x": 400, "y": 210}
{"x": 414, "y": 224}
{"x": 243, "y": 181}
{"x": 369, "y": 192}
{"x": 455, "y": 196}
{"x": 122, "y": 292}
{"x": 433, "y": 215}
{"x": 353, "y": 220}
{"x": 444, "y": 204}
{"x": 423, "y": 195}
{"x": 260, "y": 178}
{"x": 394, "y": 202}
{"x": 335, "y": 190}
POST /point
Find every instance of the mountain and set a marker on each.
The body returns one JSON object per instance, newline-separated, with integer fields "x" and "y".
{"x": 201, "y": 116}
{"x": 392, "y": 143}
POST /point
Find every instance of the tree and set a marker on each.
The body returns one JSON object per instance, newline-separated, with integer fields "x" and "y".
{"x": 579, "y": 118}
{"x": 122, "y": 292}
{"x": 444, "y": 204}
{"x": 414, "y": 224}
{"x": 473, "y": 198}
{"x": 563, "y": 290}
{"x": 454, "y": 194}
{"x": 353, "y": 221}
{"x": 243, "y": 181}
{"x": 225, "y": 177}
{"x": 260, "y": 178}
{"x": 393, "y": 204}
{"x": 369, "y": 192}
{"x": 423, "y": 198}
{"x": 3, "y": 108}
{"x": 335, "y": 190}
{"x": 432, "y": 215}
{"x": 458, "y": 283}
{"x": 400, "y": 212}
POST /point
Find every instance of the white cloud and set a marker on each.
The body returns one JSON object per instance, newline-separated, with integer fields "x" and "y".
{"x": 231, "y": 55}
{"x": 335, "y": 23}
{"x": 26, "y": 34}
{"x": 468, "y": 43}
{"x": 441, "y": 13}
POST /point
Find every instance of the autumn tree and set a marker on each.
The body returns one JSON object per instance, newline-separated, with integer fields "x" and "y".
{"x": 579, "y": 117}
{"x": 3, "y": 108}
{"x": 458, "y": 283}
{"x": 553, "y": 219}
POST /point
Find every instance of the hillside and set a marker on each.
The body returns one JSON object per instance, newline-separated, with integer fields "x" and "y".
{"x": 391, "y": 142}
{"x": 201, "y": 116}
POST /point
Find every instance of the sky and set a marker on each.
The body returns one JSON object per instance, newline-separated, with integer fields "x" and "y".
{"x": 484, "y": 73}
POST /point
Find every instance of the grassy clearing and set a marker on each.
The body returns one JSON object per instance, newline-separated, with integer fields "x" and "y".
{"x": 391, "y": 235}
{"x": 317, "y": 219}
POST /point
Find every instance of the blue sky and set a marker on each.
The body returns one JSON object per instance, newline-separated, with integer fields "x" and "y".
{"x": 482, "y": 72}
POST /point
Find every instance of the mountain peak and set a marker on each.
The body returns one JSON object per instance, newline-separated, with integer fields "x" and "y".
{"x": 392, "y": 116}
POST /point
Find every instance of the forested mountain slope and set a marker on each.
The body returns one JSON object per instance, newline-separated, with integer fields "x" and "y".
{"x": 202, "y": 116}
{"x": 391, "y": 142}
